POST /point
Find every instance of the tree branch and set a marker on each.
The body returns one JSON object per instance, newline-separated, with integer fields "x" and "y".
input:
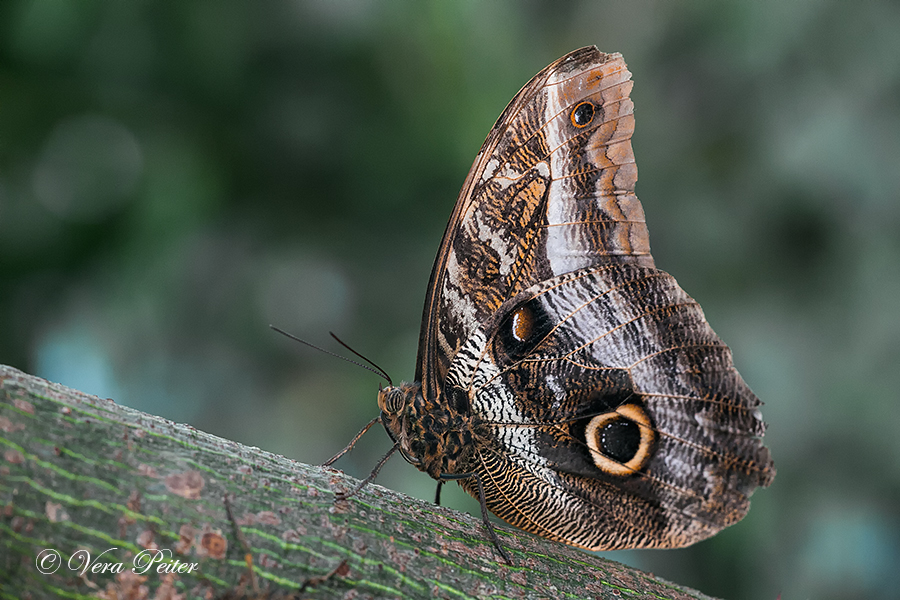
{"x": 78, "y": 473}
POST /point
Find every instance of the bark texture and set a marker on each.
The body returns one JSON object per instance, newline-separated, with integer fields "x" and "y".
{"x": 82, "y": 476}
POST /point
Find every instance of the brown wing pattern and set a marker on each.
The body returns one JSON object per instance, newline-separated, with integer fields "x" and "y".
{"x": 549, "y": 192}
{"x": 613, "y": 337}
{"x": 598, "y": 406}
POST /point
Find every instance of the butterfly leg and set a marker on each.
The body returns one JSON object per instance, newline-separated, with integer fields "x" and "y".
{"x": 484, "y": 510}
{"x": 437, "y": 493}
{"x": 352, "y": 443}
{"x": 371, "y": 477}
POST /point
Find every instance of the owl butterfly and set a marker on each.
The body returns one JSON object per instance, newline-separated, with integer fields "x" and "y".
{"x": 563, "y": 380}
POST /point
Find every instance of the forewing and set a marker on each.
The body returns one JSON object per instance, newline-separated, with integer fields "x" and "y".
{"x": 551, "y": 191}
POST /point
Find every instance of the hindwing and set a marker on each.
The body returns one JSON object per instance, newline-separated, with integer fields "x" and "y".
{"x": 617, "y": 417}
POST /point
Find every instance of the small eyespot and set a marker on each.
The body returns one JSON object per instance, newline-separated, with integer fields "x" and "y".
{"x": 522, "y": 329}
{"x": 522, "y": 324}
{"x": 621, "y": 442}
{"x": 582, "y": 114}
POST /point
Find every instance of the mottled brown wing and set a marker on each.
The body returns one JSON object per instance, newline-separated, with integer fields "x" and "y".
{"x": 606, "y": 412}
{"x": 613, "y": 414}
{"x": 551, "y": 191}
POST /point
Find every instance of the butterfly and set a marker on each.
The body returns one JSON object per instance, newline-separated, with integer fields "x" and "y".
{"x": 566, "y": 383}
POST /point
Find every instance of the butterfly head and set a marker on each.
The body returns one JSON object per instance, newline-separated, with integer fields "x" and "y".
{"x": 395, "y": 403}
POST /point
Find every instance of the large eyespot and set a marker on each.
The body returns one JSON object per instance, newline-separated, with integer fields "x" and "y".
{"x": 582, "y": 114}
{"x": 621, "y": 441}
{"x": 523, "y": 329}
{"x": 391, "y": 400}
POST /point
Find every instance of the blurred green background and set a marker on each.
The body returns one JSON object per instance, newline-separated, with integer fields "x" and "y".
{"x": 174, "y": 176}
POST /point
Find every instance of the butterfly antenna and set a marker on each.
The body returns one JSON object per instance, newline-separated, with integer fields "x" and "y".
{"x": 381, "y": 371}
{"x": 377, "y": 370}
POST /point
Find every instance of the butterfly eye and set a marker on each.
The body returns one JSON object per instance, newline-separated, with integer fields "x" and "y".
{"x": 391, "y": 400}
{"x": 523, "y": 329}
{"x": 582, "y": 114}
{"x": 621, "y": 441}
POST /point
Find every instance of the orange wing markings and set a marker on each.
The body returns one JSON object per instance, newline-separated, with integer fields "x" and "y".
{"x": 534, "y": 90}
{"x": 488, "y": 151}
{"x": 586, "y": 133}
{"x": 515, "y": 176}
{"x": 613, "y": 58}
{"x": 609, "y": 80}
{"x": 520, "y": 102}
{"x": 603, "y": 222}
{"x": 523, "y": 99}
{"x": 563, "y": 114}
{"x": 610, "y": 143}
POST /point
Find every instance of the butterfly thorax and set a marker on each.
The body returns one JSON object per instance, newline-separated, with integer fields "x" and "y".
{"x": 432, "y": 435}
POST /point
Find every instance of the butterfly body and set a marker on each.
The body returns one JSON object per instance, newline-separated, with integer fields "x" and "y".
{"x": 433, "y": 436}
{"x": 566, "y": 382}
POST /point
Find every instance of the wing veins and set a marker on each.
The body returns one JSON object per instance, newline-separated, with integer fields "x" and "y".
{"x": 705, "y": 450}
{"x": 572, "y": 314}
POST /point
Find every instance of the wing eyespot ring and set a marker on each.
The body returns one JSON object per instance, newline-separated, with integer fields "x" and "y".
{"x": 621, "y": 442}
{"x": 582, "y": 115}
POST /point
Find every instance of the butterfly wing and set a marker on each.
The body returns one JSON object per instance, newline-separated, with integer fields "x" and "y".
{"x": 549, "y": 192}
{"x": 611, "y": 415}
